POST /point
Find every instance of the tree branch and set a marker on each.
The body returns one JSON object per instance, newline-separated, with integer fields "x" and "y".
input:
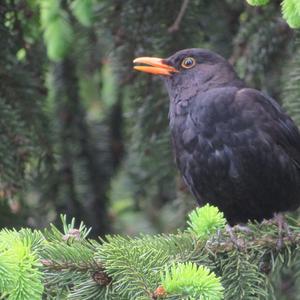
{"x": 99, "y": 275}
{"x": 175, "y": 26}
{"x": 97, "y": 271}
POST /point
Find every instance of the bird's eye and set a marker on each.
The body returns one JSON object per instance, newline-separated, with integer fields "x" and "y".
{"x": 188, "y": 62}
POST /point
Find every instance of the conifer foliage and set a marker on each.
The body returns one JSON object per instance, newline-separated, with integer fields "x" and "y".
{"x": 68, "y": 265}
{"x": 290, "y": 10}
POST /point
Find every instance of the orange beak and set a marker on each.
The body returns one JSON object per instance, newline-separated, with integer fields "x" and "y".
{"x": 156, "y": 66}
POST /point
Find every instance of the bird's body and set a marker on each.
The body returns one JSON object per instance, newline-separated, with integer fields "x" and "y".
{"x": 234, "y": 146}
{"x": 229, "y": 154}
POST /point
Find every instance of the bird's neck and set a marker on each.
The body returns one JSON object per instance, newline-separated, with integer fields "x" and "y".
{"x": 219, "y": 81}
{"x": 179, "y": 92}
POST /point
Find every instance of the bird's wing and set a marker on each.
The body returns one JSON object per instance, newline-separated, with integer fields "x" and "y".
{"x": 273, "y": 121}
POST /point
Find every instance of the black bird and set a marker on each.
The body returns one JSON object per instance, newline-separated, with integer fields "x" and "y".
{"x": 234, "y": 146}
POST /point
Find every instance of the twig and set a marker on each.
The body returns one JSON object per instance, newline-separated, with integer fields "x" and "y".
{"x": 175, "y": 26}
{"x": 63, "y": 265}
{"x": 97, "y": 270}
{"x": 270, "y": 242}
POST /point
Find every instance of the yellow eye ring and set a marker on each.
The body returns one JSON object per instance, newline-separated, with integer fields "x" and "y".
{"x": 188, "y": 62}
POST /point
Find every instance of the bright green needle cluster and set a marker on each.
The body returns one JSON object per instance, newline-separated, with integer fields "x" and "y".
{"x": 206, "y": 221}
{"x": 20, "y": 277}
{"x": 83, "y": 11}
{"x": 58, "y": 32}
{"x": 291, "y": 12}
{"x": 192, "y": 282}
{"x": 258, "y": 2}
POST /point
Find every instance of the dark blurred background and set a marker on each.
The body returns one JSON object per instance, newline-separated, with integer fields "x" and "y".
{"x": 81, "y": 133}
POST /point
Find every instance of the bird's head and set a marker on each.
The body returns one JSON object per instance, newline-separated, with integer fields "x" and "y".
{"x": 189, "y": 71}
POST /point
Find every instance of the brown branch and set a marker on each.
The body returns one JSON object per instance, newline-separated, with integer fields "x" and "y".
{"x": 244, "y": 245}
{"x": 253, "y": 240}
{"x": 64, "y": 265}
{"x": 97, "y": 270}
{"x": 175, "y": 26}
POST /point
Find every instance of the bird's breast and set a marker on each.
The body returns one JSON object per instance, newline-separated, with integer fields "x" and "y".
{"x": 201, "y": 144}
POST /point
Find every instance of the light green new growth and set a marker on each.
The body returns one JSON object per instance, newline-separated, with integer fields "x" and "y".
{"x": 291, "y": 12}
{"x": 58, "y": 33}
{"x": 192, "y": 282}
{"x": 258, "y": 2}
{"x": 20, "y": 278}
{"x": 83, "y": 11}
{"x": 205, "y": 221}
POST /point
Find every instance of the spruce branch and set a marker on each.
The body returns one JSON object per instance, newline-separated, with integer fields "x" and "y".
{"x": 169, "y": 266}
{"x": 68, "y": 265}
{"x": 131, "y": 267}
